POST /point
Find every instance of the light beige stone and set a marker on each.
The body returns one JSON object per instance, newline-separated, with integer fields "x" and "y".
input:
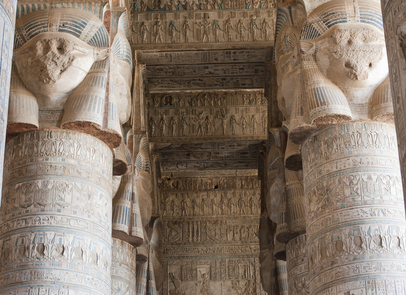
{"x": 61, "y": 239}
{"x": 354, "y": 209}
{"x": 123, "y": 268}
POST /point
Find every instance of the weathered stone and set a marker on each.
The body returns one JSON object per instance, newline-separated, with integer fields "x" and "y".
{"x": 200, "y": 212}
{"x": 123, "y": 268}
{"x": 282, "y": 272}
{"x": 395, "y": 32}
{"x": 61, "y": 239}
{"x": 354, "y": 209}
{"x": 298, "y": 266}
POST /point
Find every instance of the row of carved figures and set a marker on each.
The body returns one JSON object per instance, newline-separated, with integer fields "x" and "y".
{"x": 204, "y": 125}
{"x": 253, "y": 31}
{"x": 217, "y": 204}
{"x": 207, "y": 99}
{"x": 182, "y": 5}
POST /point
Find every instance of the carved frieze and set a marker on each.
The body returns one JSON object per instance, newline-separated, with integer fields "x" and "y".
{"x": 214, "y": 29}
{"x": 193, "y": 57}
{"x": 199, "y": 5}
{"x": 218, "y": 155}
{"x": 208, "y": 115}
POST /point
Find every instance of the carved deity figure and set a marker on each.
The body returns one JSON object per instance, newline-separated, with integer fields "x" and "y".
{"x": 55, "y": 69}
{"x": 152, "y": 126}
{"x": 254, "y": 123}
{"x": 174, "y": 125}
{"x": 186, "y": 30}
{"x": 144, "y": 31}
{"x": 233, "y": 123}
{"x": 200, "y": 121}
{"x": 344, "y": 69}
{"x": 208, "y": 124}
{"x": 205, "y": 30}
{"x": 159, "y": 31}
{"x": 267, "y": 29}
{"x": 172, "y": 31}
{"x": 254, "y": 28}
{"x": 205, "y": 289}
{"x": 241, "y": 28}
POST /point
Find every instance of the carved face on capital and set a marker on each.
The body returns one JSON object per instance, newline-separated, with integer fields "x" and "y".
{"x": 52, "y": 65}
{"x": 353, "y": 56}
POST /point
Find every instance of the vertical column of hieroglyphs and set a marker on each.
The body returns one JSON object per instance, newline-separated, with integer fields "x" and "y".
{"x": 354, "y": 206}
{"x": 395, "y": 33}
{"x": 56, "y": 213}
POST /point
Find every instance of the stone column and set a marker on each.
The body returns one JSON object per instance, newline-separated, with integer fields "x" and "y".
{"x": 123, "y": 268}
{"x": 297, "y": 264}
{"x": 7, "y": 22}
{"x": 55, "y": 218}
{"x": 355, "y": 216}
{"x": 395, "y": 34}
{"x": 282, "y": 277}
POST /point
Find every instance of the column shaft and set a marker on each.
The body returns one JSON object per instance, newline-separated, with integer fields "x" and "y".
{"x": 55, "y": 218}
{"x": 355, "y": 213}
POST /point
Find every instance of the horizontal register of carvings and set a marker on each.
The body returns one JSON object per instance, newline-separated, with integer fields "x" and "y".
{"x": 212, "y": 29}
{"x": 208, "y": 115}
{"x": 210, "y": 235}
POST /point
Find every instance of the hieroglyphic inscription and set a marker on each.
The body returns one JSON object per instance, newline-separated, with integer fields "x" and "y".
{"x": 210, "y": 235}
{"x": 58, "y": 186}
{"x": 217, "y": 29}
{"x": 354, "y": 207}
{"x": 208, "y": 115}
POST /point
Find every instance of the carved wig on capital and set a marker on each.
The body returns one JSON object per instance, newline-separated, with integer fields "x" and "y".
{"x": 61, "y": 76}
{"x": 344, "y": 67}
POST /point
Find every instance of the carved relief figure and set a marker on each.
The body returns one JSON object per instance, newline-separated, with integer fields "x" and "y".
{"x": 233, "y": 123}
{"x": 56, "y": 68}
{"x": 228, "y": 27}
{"x": 144, "y": 31}
{"x": 254, "y": 28}
{"x": 186, "y": 30}
{"x": 345, "y": 59}
{"x": 241, "y": 29}
{"x": 266, "y": 29}
{"x": 205, "y": 30}
{"x": 172, "y": 31}
{"x": 158, "y": 31}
